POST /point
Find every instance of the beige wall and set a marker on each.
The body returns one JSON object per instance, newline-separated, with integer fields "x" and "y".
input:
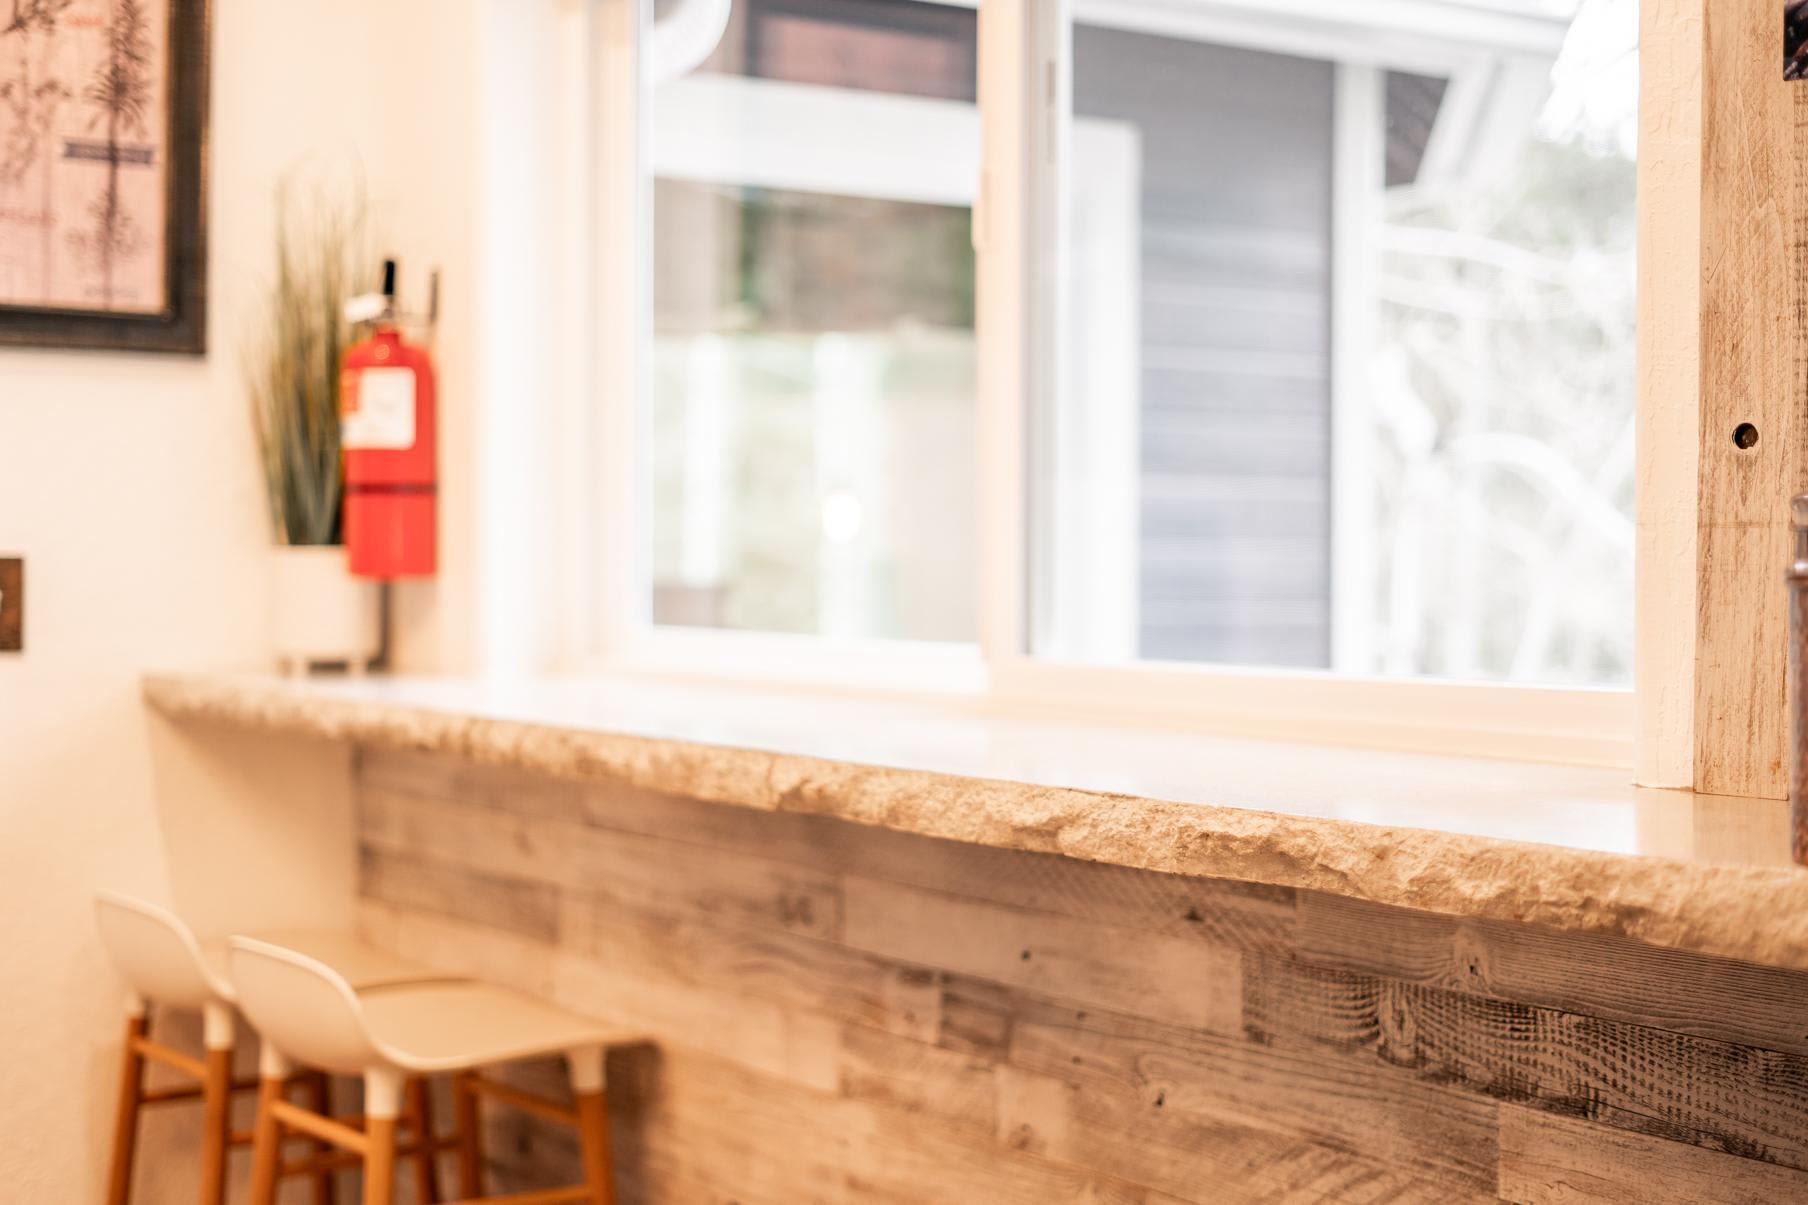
{"x": 128, "y": 483}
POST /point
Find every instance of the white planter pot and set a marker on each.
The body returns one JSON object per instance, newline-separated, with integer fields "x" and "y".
{"x": 321, "y": 612}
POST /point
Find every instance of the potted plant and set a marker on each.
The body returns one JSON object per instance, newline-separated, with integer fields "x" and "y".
{"x": 321, "y": 612}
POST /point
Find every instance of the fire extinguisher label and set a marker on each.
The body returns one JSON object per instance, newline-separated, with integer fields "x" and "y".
{"x": 379, "y": 409}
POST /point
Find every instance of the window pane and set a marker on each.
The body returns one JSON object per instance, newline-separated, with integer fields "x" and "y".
{"x": 813, "y": 370}
{"x": 1347, "y": 370}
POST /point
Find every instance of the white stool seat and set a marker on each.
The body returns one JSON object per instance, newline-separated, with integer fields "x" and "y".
{"x": 436, "y": 1027}
{"x": 361, "y": 965}
{"x": 395, "y": 1035}
{"x": 163, "y": 960}
{"x": 166, "y": 965}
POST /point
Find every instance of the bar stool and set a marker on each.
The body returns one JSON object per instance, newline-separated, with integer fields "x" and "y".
{"x": 308, "y": 1011}
{"x": 164, "y": 964}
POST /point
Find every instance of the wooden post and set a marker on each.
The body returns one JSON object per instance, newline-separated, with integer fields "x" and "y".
{"x": 379, "y": 1161}
{"x": 1754, "y": 393}
{"x": 420, "y": 1113}
{"x": 125, "y": 1118}
{"x": 593, "y": 1140}
{"x": 470, "y": 1136}
{"x": 266, "y": 1141}
{"x": 319, "y": 1088}
{"x": 216, "y": 1124}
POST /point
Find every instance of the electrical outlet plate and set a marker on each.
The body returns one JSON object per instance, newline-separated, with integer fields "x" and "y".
{"x": 12, "y": 604}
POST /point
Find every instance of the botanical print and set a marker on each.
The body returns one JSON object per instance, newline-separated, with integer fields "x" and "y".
{"x": 84, "y": 96}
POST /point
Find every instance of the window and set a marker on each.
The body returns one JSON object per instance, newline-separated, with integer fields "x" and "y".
{"x": 1295, "y": 340}
{"x": 813, "y": 365}
{"x": 1347, "y": 375}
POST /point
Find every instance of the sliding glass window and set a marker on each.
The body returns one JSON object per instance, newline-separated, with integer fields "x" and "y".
{"x": 1345, "y": 371}
{"x": 812, "y": 391}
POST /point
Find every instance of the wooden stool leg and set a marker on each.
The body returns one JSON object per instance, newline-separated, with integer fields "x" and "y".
{"x": 266, "y": 1137}
{"x": 382, "y": 1102}
{"x": 593, "y": 1137}
{"x": 319, "y": 1088}
{"x": 216, "y": 1102}
{"x": 379, "y": 1161}
{"x": 586, "y": 1068}
{"x": 470, "y": 1136}
{"x": 420, "y": 1111}
{"x": 131, "y": 1095}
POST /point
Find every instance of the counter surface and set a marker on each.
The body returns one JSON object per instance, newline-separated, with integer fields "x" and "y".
{"x": 1572, "y": 848}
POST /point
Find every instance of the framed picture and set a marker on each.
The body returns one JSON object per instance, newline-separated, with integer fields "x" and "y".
{"x": 103, "y": 142}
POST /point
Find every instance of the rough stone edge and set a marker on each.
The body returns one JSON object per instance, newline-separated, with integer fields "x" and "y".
{"x": 1755, "y": 914}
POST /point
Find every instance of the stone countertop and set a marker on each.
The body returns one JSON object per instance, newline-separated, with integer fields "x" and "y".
{"x": 1567, "y": 847}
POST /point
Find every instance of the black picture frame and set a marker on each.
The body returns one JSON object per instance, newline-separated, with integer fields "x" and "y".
{"x": 181, "y": 327}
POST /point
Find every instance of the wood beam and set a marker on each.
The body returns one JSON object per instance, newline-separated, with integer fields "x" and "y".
{"x": 1753, "y": 429}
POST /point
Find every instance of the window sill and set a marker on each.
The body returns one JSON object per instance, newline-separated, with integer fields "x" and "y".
{"x": 1567, "y": 847}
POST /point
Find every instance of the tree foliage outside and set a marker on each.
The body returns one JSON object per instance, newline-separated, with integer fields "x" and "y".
{"x": 1503, "y": 395}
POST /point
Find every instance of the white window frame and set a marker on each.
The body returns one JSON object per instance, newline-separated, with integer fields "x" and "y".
{"x": 1024, "y": 96}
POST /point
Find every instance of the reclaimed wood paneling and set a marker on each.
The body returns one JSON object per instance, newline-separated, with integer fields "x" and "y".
{"x": 1754, "y": 354}
{"x": 1191, "y": 983}
{"x": 1156, "y": 1076}
{"x": 846, "y": 1014}
{"x": 1549, "y": 1159}
{"x": 811, "y": 977}
{"x": 1575, "y": 972}
{"x": 636, "y": 872}
{"x": 401, "y": 790}
{"x": 522, "y": 906}
{"x": 1736, "y": 1098}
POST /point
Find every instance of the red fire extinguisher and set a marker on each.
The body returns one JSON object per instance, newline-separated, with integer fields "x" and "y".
{"x": 387, "y": 437}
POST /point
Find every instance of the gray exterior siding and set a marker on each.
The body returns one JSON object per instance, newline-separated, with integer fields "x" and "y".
{"x": 1236, "y": 328}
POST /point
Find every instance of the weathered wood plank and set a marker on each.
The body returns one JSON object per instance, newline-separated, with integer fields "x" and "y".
{"x": 1179, "y": 1088}
{"x": 704, "y": 1130}
{"x": 975, "y": 1017}
{"x": 715, "y": 1122}
{"x": 470, "y": 836}
{"x": 1547, "y": 1159}
{"x": 1734, "y": 1098}
{"x": 914, "y": 1078}
{"x": 523, "y": 906}
{"x": 629, "y": 869}
{"x": 1244, "y": 915}
{"x": 1200, "y": 1157}
{"x": 437, "y": 776}
{"x": 797, "y": 972}
{"x": 878, "y": 1069}
{"x": 1057, "y": 1119}
{"x": 1574, "y": 972}
{"x": 782, "y": 1042}
{"x": 735, "y": 1127}
{"x": 1754, "y": 356}
{"x": 625, "y": 961}
{"x": 951, "y": 1023}
{"x": 1184, "y": 981}
{"x": 626, "y": 870}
